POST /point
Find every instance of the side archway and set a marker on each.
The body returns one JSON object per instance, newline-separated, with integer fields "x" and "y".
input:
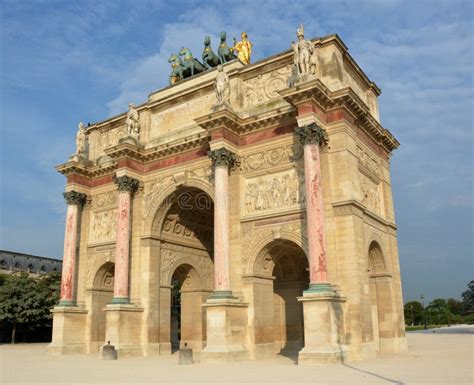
{"x": 102, "y": 294}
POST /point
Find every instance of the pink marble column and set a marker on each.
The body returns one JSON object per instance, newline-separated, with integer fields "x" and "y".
{"x": 74, "y": 200}
{"x": 312, "y": 137}
{"x": 222, "y": 160}
{"x": 126, "y": 187}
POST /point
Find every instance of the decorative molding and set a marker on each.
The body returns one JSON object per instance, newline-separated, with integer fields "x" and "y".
{"x": 312, "y": 134}
{"x": 126, "y": 183}
{"x": 104, "y": 200}
{"x": 271, "y": 158}
{"x": 75, "y": 198}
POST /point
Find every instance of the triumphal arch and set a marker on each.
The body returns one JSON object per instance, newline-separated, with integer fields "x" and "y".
{"x": 245, "y": 210}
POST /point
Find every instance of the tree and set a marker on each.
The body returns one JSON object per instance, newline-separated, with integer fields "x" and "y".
{"x": 454, "y": 306}
{"x": 413, "y": 313}
{"x": 27, "y": 301}
{"x": 468, "y": 299}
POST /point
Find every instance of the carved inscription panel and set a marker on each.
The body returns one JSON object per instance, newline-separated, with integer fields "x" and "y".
{"x": 274, "y": 192}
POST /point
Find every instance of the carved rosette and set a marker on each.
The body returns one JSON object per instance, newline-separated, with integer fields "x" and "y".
{"x": 126, "y": 183}
{"x": 312, "y": 134}
{"x": 222, "y": 157}
{"x": 75, "y": 198}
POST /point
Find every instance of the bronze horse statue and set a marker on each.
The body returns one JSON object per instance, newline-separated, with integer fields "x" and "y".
{"x": 177, "y": 67}
{"x": 209, "y": 58}
{"x": 224, "y": 52}
{"x": 191, "y": 65}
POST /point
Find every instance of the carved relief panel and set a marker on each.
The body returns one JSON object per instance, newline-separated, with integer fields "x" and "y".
{"x": 370, "y": 196}
{"x": 265, "y": 86}
{"x": 274, "y": 192}
{"x": 103, "y": 219}
{"x": 271, "y": 158}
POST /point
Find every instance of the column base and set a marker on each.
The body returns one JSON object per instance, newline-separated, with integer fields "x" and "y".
{"x": 222, "y": 294}
{"x": 326, "y": 356}
{"x": 226, "y": 325}
{"x": 66, "y": 303}
{"x": 323, "y": 326}
{"x": 123, "y": 329}
{"x": 69, "y": 334}
{"x": 120, "y": 301}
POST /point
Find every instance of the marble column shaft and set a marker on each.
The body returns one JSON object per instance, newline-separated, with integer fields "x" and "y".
{"x": 74, "y": 200}
{"x": 126, "y": 187}
{"x": 312, "y": 137}
{"x": 222, "y": 160}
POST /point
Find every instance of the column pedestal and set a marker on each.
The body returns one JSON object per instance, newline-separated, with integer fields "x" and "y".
{"x": 123, "y": 329}
{"x": 69, "y": 323}
{"x": 323, "y": 325}
{"x": 226, "y": 321}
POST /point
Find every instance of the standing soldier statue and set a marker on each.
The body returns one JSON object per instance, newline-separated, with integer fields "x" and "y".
{"x": 303, "y": 54}
{"x": 222, "y": 87}
{"x": 132, "y": 122}
{"x": 80, "y": 139}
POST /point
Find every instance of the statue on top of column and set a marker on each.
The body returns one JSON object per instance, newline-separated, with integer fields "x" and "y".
{"x": 303, "y": 54}
{"x": 243, "y": 48}
{"x": 222, "y": 87}
{"x": 132, "y": 122}
{"x": 80, "y": 139}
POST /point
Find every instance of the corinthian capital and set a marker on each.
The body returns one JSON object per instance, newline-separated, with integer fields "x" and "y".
{"x": 312, "y": 134}
{"x": 74, "y": 198}
{"x": 126, "y": 183}
{"x": 222, "y": 157}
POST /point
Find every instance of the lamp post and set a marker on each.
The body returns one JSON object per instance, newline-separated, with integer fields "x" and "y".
{"x": 424, "y": 311}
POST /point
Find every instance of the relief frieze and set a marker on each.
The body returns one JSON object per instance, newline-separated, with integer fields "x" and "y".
{"x": 103, "y": 225}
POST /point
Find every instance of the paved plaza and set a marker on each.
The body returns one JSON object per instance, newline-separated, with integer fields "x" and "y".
{"x": 444, "y": 356}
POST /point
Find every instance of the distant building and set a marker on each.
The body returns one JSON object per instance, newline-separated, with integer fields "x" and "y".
{"x": 12, "y": 262}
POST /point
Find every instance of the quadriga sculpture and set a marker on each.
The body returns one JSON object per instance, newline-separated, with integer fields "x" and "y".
{"x": 224, "y": 52}
{"x": 191, "y": 65}
{"x": 209, "y": 58}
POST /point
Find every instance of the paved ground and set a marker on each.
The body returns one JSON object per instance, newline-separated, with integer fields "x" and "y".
{"x": 443, "y": 357}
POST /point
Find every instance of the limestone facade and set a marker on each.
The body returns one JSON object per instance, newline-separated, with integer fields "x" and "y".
{"x": 269, "y": 220}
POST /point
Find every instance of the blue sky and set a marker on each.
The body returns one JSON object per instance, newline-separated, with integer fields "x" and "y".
{"x": 62, "y": 62}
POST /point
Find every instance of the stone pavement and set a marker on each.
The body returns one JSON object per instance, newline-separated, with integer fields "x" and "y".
{"x": 444, "y": 356}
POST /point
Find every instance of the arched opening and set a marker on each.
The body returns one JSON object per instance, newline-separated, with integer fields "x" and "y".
{"x": 380, "y": 295}
{"x": 186, "y": 225}
{"x": 276, "y": 304}
{"x": 102, "y": 294}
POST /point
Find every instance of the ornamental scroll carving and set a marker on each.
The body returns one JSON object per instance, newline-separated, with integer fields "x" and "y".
{"x": 173, "y": 256}
{"x": 152, "y": 193}
{"x": 275, "y": 191}
{"x": 271, "y": 158}
{"x": 265, "y": 86}
{"x": 111, "y": 137}
{"x": 104, "y": 200}
{"x": 103, "y": 225}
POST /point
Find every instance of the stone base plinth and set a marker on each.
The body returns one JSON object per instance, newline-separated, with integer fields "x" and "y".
{"x": 69, "y": 324}
{"x": 393, "y": 345}
{"x": 123, "y": 329}
{"x": 323, "y": 326}
{"x": 226, "y": 324}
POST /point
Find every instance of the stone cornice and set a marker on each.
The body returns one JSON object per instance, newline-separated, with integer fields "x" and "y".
{"x": 75, "y": 168}
{"x": 352, "y": 207}
{"x": 315, "y": 91}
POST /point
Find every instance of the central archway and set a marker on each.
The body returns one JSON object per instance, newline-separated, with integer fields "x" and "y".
{"x": 185, "y": 227}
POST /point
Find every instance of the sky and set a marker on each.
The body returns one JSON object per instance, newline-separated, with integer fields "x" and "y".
{"x": 62, "y": 62}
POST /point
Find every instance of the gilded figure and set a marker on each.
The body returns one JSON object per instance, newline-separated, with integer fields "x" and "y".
{"x": 243, "y": 48}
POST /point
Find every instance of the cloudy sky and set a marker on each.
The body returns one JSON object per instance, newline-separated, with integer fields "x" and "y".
{"x": 63, "y": 62}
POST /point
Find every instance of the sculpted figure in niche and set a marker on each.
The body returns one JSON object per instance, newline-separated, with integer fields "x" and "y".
{"x": 80, "y": 139}
{"x": 222, "y": 86}
{"x": 132, "y": 122}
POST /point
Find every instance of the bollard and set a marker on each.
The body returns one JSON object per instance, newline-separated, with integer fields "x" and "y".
{"x": 186, "y": 355}
{"x": 109, "y": 352}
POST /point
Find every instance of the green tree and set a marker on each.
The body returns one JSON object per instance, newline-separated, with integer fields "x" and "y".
{"x": 468, "y": 299}
{"x": 413, "y": 313}
{"x": 454, "y": 306}
{"x": 27, "y": 301}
